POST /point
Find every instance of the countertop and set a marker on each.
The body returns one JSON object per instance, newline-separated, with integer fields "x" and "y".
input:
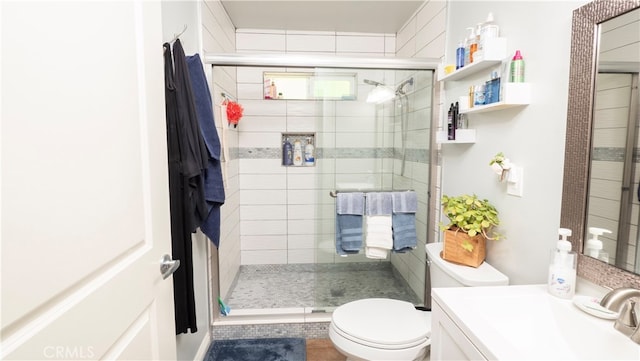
{"x": 527, "y": 323}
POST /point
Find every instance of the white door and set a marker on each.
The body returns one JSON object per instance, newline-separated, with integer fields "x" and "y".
{"x": 84, "y": 194}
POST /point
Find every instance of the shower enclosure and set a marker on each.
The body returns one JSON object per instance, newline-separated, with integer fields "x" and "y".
{"x": 288, "y": 259}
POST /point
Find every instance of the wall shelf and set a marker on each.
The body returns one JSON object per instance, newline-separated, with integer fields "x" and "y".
{"x": 494, "y": 53}
{"x": 514, "y": 95}
{"x": 463, "y": 136}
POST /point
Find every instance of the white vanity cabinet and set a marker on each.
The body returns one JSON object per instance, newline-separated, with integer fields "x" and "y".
{"x": 520, "y": 322}
{"x": 448, "y": 341}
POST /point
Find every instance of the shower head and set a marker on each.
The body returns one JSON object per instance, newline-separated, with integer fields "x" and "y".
{"x": 400, "y": 88}
{"x": 380, "y": 93}
{"x": 373, "y": 82}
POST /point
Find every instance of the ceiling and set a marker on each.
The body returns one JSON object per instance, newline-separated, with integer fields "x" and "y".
{"x": 368, "y": 16}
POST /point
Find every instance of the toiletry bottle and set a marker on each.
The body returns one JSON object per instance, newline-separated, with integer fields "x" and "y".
{"x": 594, "y": 245}
{"x": 273, "y": 91}
{"x": 456, "y": 115}
{"x": 470, "y": 46}
{"x": 460, "y": 56}
{"x": 297, "y": 152}
{"x": 287, "y": 153}
{"x": 490, "y": 30}
{"x": 309, "y": 156}
{"x": 495, "y": 87}
{"x": 471, "y": 95}
{"x": 451, "y": 134}
{"x": 562, "y": 268}
{"x": 478, "y": 95}
{"x": 516, "y": 73}
{"x": 462, "y": 121}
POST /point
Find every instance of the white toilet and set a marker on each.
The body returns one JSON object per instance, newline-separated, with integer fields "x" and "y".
{"x": 380, "y": 329}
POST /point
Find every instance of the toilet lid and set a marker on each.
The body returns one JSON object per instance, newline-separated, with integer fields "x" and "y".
{"x": 383, "y": 322}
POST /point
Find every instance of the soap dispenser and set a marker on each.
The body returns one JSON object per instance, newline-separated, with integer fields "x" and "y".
{"x": 562, "y": 268}
{"x": 594, "y": 245}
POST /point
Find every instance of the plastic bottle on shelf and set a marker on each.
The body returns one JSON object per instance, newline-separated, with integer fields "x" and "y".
{"x": 460, "y": 56}
{"x": 489, "y": 30}
{"x": 470, "y": 46}
{"x": 562, "y": 268}
{"x": 451, "y": 129}
{"x": 309, "y": 156}
{"x": 516, "y": 69}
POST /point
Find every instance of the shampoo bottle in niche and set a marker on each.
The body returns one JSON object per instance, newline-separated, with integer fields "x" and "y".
{"x": 562, "y": 269}
{"x": 287, "y": 153}
{"x": 297, "y": 153}
{"x": 594, "y": 245}
{"x": 309, "y": 153}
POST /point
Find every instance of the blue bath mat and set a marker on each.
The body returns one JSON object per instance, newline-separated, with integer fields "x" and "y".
{"x": 263, "y": 349}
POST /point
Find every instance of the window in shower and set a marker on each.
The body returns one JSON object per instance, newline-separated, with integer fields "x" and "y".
{"x": 309, "y": 85}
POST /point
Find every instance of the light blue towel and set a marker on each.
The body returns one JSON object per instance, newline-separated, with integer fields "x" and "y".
{"x": 405, "y": 202}
{"x": 348, "y": 234}
{"x": 404, "y": 232}
{"x": 379, "y": 204}
{"x": 403, "y": 220}
{"x": 350, "y": 203}
{"x": 349, "y": 212}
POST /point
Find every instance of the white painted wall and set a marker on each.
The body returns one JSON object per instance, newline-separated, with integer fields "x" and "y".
{"x": 532, "y": 137}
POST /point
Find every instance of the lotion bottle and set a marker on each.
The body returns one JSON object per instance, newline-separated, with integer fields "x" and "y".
{"x": 562, "y": 269}
{"x": 297, "y": 153}
{"x": 309, "y": 150}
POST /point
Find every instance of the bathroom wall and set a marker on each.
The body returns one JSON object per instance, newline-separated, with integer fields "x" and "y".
{"x": 208, "y": 29}
{"x": 532, "y": 137}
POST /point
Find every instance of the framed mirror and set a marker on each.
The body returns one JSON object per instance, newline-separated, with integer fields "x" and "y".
{"x": 582, "y": 151}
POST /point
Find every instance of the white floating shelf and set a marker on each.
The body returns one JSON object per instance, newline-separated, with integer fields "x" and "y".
{"x": 512, "y": 94}
{"x": 494, "y": 53}
{"x": 463, "y": 136}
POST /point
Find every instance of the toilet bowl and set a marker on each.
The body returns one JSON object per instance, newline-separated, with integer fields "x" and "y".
{"x": 383, "y": 329}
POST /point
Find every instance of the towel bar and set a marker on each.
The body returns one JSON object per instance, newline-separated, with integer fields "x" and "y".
{"x": 334, "y": 193}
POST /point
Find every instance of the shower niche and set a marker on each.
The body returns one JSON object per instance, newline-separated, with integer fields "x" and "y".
{"x": 304, "y": 156}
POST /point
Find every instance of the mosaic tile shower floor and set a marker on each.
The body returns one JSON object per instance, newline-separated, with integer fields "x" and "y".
{"x": 316, "y": 285}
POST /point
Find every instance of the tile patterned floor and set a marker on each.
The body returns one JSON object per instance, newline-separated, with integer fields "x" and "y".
{"x": 316, "y": 285}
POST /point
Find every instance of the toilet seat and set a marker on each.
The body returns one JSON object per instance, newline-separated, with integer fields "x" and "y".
{"x": 382, "y": 323}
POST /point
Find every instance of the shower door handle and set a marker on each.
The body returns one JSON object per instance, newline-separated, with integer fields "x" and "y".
{"x": 168, "y": 266}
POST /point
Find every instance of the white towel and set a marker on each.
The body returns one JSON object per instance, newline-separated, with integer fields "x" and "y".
{"x": 378, "y": 236}
{"x": 375, "y": 253}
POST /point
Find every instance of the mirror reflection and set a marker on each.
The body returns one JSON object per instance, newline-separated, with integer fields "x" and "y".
{"x": 613, "y": 214}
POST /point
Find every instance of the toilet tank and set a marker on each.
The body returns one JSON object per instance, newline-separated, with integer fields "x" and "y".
{"x": 446, "y": 274}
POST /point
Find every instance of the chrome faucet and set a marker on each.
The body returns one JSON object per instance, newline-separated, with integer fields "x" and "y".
{"x": 626, "y": 301}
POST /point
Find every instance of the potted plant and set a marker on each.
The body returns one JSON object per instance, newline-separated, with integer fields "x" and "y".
{"x": 471, "y": 222}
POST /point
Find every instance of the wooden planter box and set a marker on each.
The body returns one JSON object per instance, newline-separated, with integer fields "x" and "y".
{"x": 461, "y": 249}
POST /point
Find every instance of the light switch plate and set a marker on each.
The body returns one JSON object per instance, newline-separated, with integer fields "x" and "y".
{"x": 514, "y": 187}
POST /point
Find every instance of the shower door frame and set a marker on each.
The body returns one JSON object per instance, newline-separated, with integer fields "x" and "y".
{"x": 340, "y": 62}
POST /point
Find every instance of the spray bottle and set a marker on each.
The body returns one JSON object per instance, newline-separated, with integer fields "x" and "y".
{"x": 562, "y": 269}
{"x": 516, "y": 70}
{"x": 594, "y": 245}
